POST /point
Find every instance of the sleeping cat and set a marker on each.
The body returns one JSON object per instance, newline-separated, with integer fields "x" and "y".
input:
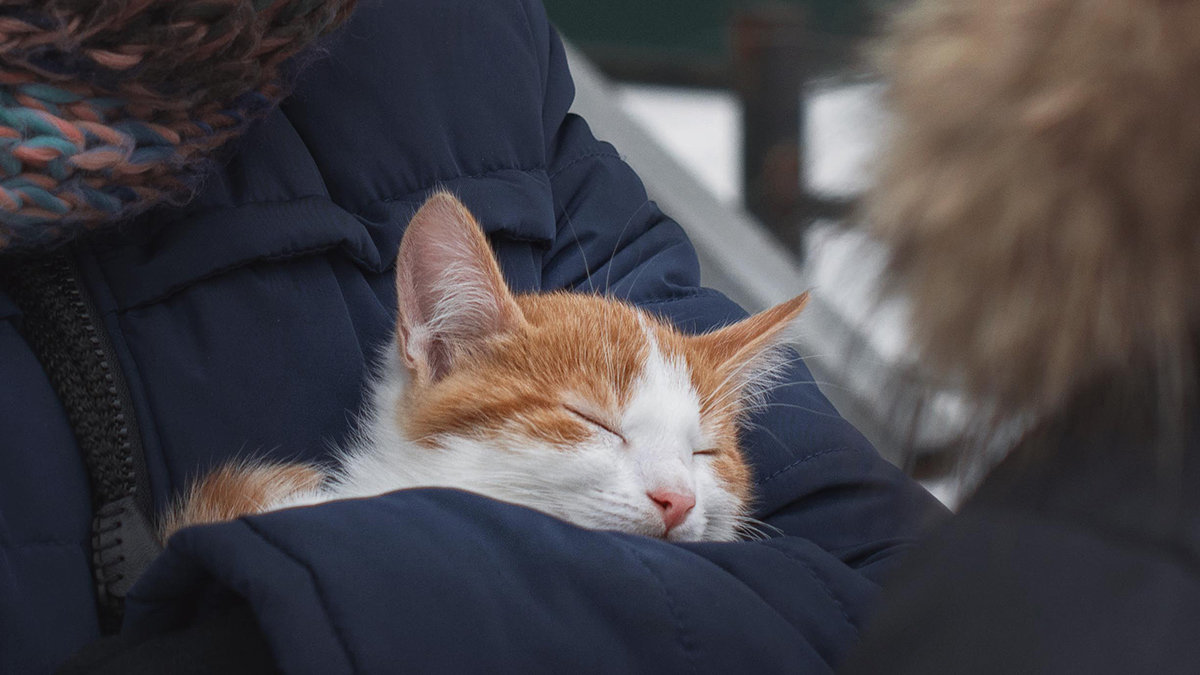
{"x": 580, "y": 406}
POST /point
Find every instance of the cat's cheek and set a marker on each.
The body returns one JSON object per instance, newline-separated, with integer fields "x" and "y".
{"x": 694, "y": 529}
{"x": 722, "y": 503}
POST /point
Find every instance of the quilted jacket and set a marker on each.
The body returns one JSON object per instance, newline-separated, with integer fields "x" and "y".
{"x": 246, "y": 322}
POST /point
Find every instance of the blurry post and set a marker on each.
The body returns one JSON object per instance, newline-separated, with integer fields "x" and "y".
{"x": 769, "y": 54}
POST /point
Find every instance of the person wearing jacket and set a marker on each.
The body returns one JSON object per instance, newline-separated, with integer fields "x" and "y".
{"x": 1040, "y": 198}
{"x": 145, "y": 339}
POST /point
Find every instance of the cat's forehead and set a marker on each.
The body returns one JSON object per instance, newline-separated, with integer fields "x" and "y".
{"x": 578, "y": 339}
{"x": 570, "y": 312}
{"x": 569, "y": 348}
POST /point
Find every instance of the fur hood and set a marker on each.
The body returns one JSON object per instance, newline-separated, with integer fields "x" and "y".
{"x": 1041, "y": 191}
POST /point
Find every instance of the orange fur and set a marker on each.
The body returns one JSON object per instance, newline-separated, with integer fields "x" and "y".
{"x": 522, "y": 378}
{"x": 236, "y": 490}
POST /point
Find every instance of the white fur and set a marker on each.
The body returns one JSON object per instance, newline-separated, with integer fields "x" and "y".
{"x": 600, "y": 484}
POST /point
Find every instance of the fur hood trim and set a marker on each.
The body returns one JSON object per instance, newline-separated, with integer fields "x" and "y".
{"x": 1041, "y": 191}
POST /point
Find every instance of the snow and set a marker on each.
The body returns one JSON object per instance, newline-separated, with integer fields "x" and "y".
{"x": 842, "y": 131}
{"x": 701, "y": 127}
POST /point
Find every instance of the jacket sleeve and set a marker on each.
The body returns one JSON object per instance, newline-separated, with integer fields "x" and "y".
{"x": 446, "y": 581}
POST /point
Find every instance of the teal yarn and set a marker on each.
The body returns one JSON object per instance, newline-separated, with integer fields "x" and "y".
{"x": 25, "y": 192}
{"x": 104, "y": 114}
{"x": 49, "y": 94}
{"x": 40, "y": 179}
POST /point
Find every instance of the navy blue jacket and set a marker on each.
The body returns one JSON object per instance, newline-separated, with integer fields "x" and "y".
{"x": 247, "y": 321}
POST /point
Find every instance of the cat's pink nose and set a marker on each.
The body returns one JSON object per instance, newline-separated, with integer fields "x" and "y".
{"x": 674, "y": 506}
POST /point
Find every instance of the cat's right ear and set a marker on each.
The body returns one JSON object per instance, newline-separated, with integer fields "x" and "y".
{"x": 749, "y": 350}
{"x": 451, "y": 295}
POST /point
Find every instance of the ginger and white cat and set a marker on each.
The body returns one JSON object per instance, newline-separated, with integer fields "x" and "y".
{"x": 583, "y": 407}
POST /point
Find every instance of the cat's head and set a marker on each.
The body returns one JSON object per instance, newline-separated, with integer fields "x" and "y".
{"x": 580, "y": 406}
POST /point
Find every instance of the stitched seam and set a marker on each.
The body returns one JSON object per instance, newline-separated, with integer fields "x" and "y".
{"x": 802, "y": 460}
{"x": 812, "y": 572}
{"x": 695, "y": 293}
{"x": 408, "y": 197}
{"x": 590, "y": 155}
{"x": 288, "y": 254}
{"x": 337, "y": 630}
{"x": 169, "y": 220}
{"x": 521, "y": 240}
{"x": 281, "y": 256}
{"x": 356, "y": 209}
{"x": 887, "y": 544}
{"x": 887, "y": 549}
{"x": 684, "y": 643}
{"x": 750, "y": 587}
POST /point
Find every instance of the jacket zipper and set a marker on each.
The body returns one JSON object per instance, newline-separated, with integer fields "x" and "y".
{"x": 61, "y": 324}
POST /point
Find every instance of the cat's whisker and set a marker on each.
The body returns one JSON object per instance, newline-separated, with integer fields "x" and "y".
{"x": 617, "y": 245}
{"x": 731, "y": 403}
{"x": 751, "y": 532}
{"x": 633, "y": 284}
{"x": 819, "y": 383}
{"x": 587, "y": 268}
{"x": 766, "y": 374}
{"x": 764, "y": 527}
{"x": 737, "y": 396}
{"x": 814, "y": 411}
{"x": 758, "y": 427}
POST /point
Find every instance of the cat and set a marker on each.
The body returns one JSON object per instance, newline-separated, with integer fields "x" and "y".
{"x": 580, "y": 406}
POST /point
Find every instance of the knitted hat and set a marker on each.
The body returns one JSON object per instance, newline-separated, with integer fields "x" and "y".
{"x": 108, "y": 107}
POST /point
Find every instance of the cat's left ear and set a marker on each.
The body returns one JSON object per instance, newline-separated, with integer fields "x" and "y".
{"x": 744, "y": 351}
{"x": 451, "y": 295}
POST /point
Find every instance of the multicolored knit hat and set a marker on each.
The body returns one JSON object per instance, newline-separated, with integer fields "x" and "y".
{"x": 108, "y": 107}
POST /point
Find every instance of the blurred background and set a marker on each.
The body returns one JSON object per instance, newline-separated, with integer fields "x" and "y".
{"x": 756, "y": 124}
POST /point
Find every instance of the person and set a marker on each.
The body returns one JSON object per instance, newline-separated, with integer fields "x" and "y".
{"x": 246, "y": 320}
{"x": 1040, "y": 199}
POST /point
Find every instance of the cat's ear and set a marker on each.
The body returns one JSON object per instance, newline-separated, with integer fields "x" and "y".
{"x": 451, "y": 296}
{"x": 746, "y": 351}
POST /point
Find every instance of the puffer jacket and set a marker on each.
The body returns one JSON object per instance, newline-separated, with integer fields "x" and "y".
{"x": 246, "y": 322}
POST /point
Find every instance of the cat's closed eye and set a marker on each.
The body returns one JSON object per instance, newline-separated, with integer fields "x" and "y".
{"x": 595, "y": 421}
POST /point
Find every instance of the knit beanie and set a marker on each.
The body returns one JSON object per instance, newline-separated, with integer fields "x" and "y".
{"x": 108, "y": 107}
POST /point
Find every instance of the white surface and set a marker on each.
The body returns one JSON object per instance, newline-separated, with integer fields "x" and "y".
{"x": 701, "y": 128}
{"x": 842, "y": 131}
